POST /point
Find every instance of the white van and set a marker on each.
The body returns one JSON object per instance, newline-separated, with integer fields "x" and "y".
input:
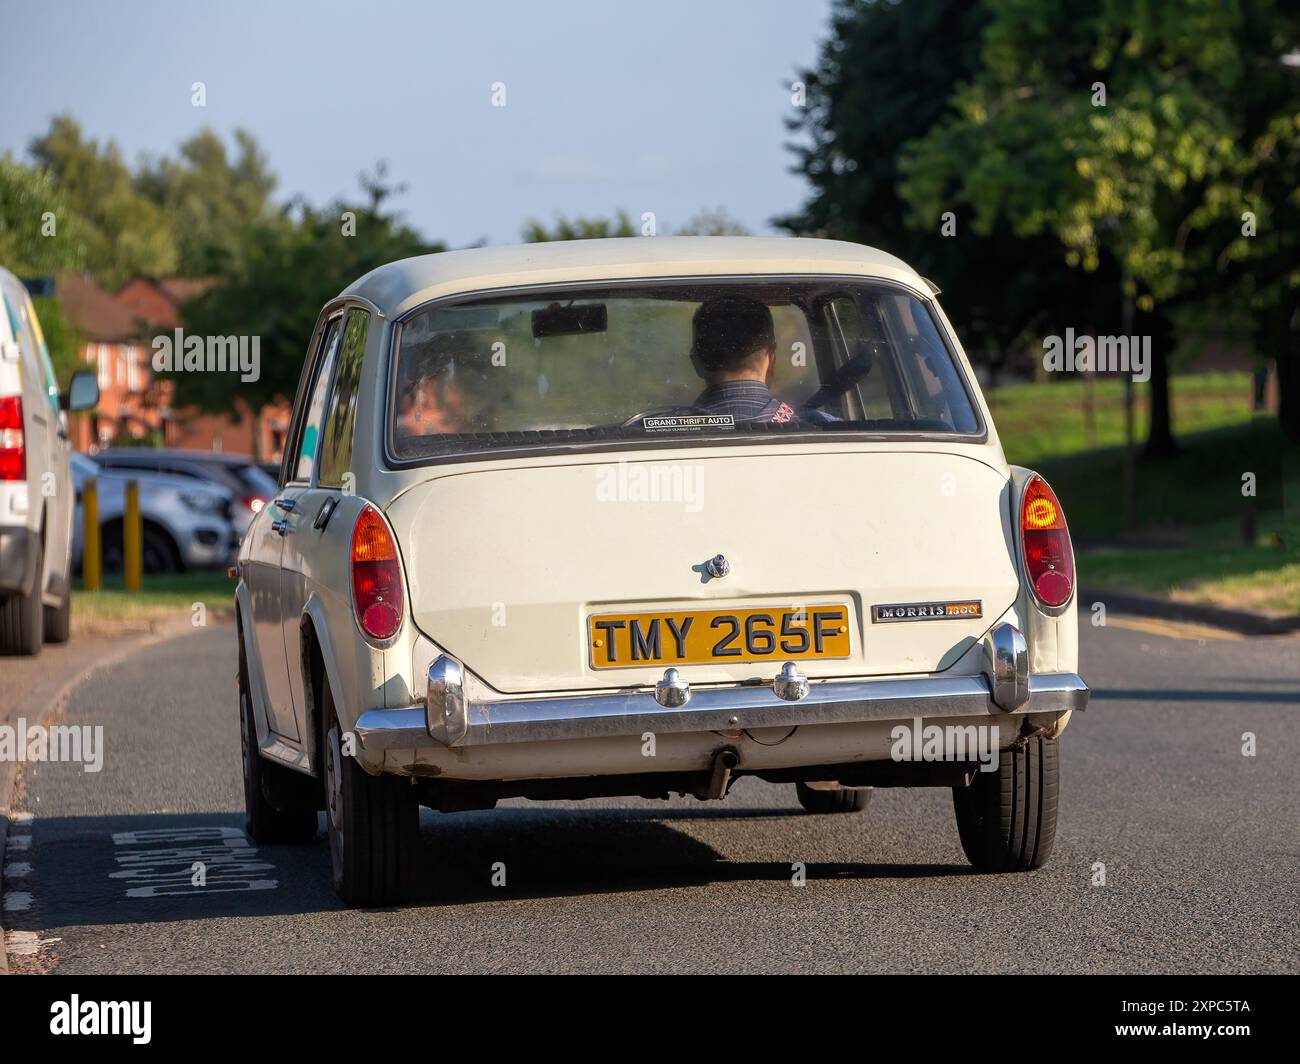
{"x": 36, "y": 490}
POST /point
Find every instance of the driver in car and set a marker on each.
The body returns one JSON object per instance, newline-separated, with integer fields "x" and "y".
{"x": 733, "y": 348}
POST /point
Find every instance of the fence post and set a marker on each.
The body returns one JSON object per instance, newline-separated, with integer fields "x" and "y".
{"x": 91, "y": 556}
{"x": 133, "y": 538}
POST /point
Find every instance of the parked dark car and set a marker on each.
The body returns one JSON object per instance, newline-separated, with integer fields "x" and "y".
{"x": 251, "y": 487}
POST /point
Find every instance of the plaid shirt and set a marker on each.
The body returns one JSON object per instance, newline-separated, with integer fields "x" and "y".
{"x": 743, "y": 400}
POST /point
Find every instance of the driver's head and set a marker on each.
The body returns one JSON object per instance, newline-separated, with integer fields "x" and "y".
{"x": 733, "y": 338}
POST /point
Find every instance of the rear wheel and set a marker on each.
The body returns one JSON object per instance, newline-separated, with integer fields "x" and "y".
{"x": 22, "y": 621}
{"x": 373, "y": 823}
{"x": 158, "y": 554}
{"x": 265, "y": 821}
{"x": 832, "y": 798}
{"x": 1007, "y": 819}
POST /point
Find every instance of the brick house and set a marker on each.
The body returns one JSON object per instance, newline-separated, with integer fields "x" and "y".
{"x": 133, "y": 405}
{"x": 128, "y": 402}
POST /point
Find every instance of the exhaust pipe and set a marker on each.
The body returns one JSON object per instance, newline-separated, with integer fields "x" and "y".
{"x": 724, "y": 761}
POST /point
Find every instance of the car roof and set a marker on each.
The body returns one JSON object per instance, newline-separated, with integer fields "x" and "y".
{"x": 398, "y": 286}
{"x": 224, "y": 457}
{"x": 90, "y": 467}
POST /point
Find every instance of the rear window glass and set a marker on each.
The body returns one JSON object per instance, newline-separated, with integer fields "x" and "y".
{"x": 660, "y": 361}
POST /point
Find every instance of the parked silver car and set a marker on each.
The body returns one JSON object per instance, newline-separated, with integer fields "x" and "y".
{"x": 250, "y": 487}
{"x": 186, "y": 521}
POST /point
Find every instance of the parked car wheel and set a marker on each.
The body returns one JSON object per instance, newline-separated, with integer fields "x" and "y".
{"x": 22, "y": 626}
{"x": 835, "y": 799}
{"x": 373, "y": 824}
{"x": 1007, "y": 819}
{"x": 158, "y": 552}
{"x": 266, "y": 821}
{"x": 58, "y": 620}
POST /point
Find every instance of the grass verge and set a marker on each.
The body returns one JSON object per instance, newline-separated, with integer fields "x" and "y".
{"x": 1251, "y": 578}
{"x": 1175, "y": 497}
{"x": 113, "y": 610}
{"x": 1041, "y": 421}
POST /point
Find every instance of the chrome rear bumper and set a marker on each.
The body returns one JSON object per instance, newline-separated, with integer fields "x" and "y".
{"x": 715, "y": 709}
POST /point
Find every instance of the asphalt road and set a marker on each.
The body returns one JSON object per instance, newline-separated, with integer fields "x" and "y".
{"x": 1201, "y": 847}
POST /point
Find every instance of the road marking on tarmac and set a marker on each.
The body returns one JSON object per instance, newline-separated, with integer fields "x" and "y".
{"x": 1186, "y": 630}
{"x": 27, "y": 943}
{"x": 176, "y": 861}
{"x": 20, "y": 840}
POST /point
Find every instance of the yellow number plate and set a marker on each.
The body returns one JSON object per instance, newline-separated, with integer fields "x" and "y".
{"x": 699, "y": 637}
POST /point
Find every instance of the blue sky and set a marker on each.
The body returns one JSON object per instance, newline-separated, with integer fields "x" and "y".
{"x": 668, "y": 107}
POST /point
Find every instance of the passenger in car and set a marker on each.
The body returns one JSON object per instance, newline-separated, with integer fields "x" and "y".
{"x": 429, "y": 401}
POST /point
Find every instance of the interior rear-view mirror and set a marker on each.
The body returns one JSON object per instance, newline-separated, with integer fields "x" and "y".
{"x": 557, "y": 320}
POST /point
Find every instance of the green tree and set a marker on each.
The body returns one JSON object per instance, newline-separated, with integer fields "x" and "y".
{"x": 580, "y": 228}
{"x": 212, "y": 203}
{"x": 63, "y": 339}
{"x": 885, "y": 78}
{"x": 295, "y": 262}
{"x": 1125, "y": 133}
{"x": 708, "y": 222}
{"x": 117, "y": 232}
{"x": 714, "y": 222}
{"x": 38, "y": 235}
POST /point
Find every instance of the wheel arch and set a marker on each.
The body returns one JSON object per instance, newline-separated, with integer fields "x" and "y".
{"x": 117, "y": 524}
{"x": 252, "y": 661}
{"x": 319, "y": 667}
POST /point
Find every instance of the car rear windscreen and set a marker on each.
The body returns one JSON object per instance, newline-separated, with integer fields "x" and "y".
{"x": 659, "y": 361}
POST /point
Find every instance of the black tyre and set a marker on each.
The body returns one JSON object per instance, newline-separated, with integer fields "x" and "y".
{"x": 268, "y": 818}
{"x": 158, "y": 554}
{"x": 22, "y": 620}
{"x": 58, "y": 620}
{"x": 373, "y": 824}
{"x": 836, "y": 800}
{"x": 1007, "y": 819}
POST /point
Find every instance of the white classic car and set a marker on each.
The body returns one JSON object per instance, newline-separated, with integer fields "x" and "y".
{"x": 642, "y": 517}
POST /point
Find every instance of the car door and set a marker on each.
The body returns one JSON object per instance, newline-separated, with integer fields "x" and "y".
{"x": 309, "y": 520}
{"x": 275, "y": 525}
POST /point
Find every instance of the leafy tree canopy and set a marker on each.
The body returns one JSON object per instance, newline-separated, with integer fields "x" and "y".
{"x": 295, "y": 261}
{"x": 118, "y": 232}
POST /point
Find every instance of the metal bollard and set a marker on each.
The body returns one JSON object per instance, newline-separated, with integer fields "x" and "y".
{"x": 133, "y": 539}
{"x": 92, "y": 571}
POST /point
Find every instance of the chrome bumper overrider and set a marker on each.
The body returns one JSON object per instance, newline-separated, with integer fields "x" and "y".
{"x": 447, "y": 719}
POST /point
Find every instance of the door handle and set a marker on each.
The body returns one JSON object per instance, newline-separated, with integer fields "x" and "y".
{"x": 326, "y": 511}
{"x": 287, "y": 505}
{"x": 281, "y": 526}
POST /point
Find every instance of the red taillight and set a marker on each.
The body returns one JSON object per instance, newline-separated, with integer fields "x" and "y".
{"x": 376, "y": 576}
{"x": 13, "y": 450}
{"x": 1049, "y": 558}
